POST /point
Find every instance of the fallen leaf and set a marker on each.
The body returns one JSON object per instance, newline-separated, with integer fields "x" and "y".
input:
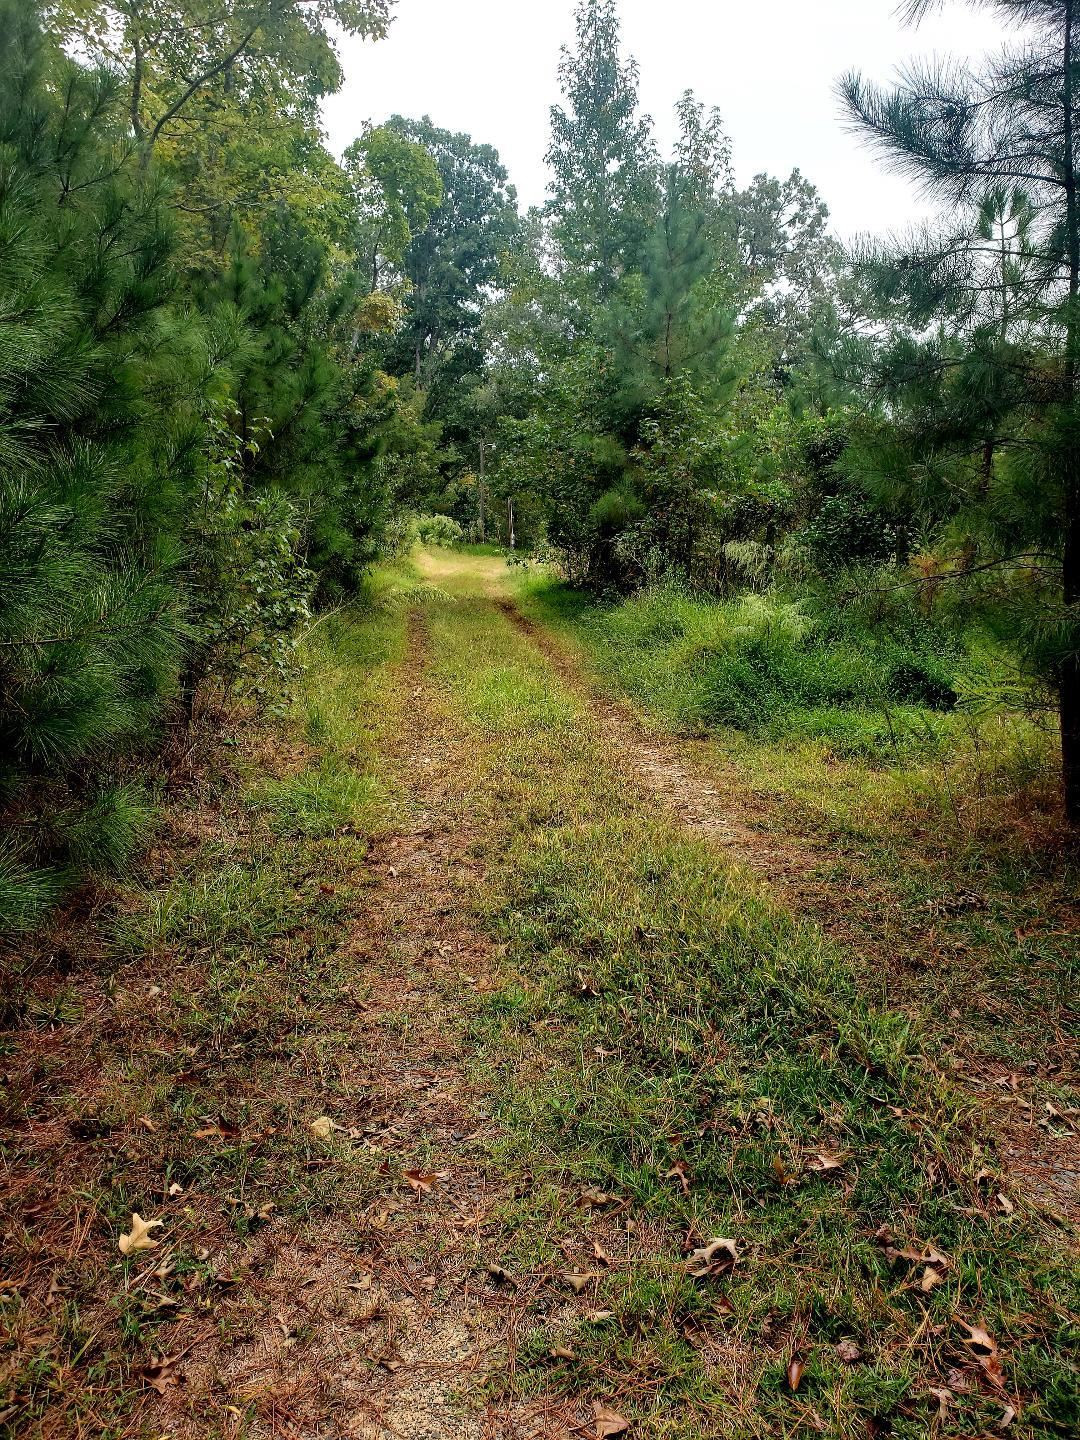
{"x": 782, "y": 1173}
{"x": 560, "y": 1352}
{"x": 139, "y": 1238}
{"x": 597, "y": 1317}
{"x": 1008, "y": 1415}
{"x": 713, "y": 1258}
{"x": 501, "y": 1276}
{"x": 1005, "y": 1205}
{"x": 601, "y": 1254}
{"x": 420, "y": 1183}
{"x": 795, "y": 1371}
{"x": 680, "y": 1171}
{"x": 848, "y": 1351}
{"x": 944, "y": 1399}
{"x": 608, "y": 1422}
{"x": 175, "y": 1189}
{"x": 148, "y": 1124}
{"x": 159, "y": 1375}
{"x": 578, "y": 1282}
{"x": 931, "y": 1277}
{"x": 221, "y": 1131}
{"x": 825, "y": 1161}
{"x": 322, "y": 1128}
{"x": 985, "y": 1349}
{"x": 595, "y": 1198}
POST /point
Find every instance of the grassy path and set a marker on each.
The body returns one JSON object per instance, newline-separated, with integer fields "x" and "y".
{"x": 484, "y": 1093}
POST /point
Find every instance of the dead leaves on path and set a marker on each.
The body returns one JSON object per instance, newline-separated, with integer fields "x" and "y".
{"x": 160, "y": 1375}
{"x": 985, "y": 1349}
{"x": 608, "y": 1422}
{"x": 716, "y": 1257}
{"x": 138, "y": 1238}
{"x": 422, "y": 1184}
{"x": 581, "y": 1280}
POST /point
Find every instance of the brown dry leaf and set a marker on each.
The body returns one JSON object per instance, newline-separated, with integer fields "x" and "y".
{"x": 1005, "y": 1205}
{"x": 782, "y": 1173}
{"x": 175, "y": 1189}
{"x": 501, "y": 1276}
{"x": 714, "y": 1258}
{"x": 597, "y": 1317}
{"x": 561, "y": 1352}
{"x": 601, "y": 1254}
{"x": 159, "y": 1375}
{"x": 221, "y": 1131}
{"x": 420, "y": 1183}
{"x": 1008, "y": 1415}
{"x": 944, "y": 1400}
{"x": 848, "y": 1351}
{"x": 139, "y": 1237}
{"x": 608, "y": 1422}
{"x": 795, "y": 1371}
{"x": 322, "y": 1128}
{"x": 824, "y": 1161}
{"x": 931, "y": 1277}
{"x": 578, "y": 1282}
{"x": 985, "y": 1349}
{"x": 680, "y": 1171}
{"x": 594, "y": 1198}
{"x": 148, "y": 1124}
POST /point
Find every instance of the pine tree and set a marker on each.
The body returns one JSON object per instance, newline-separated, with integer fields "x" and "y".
{"x": 602, "y": 155}
{"x": 90, "y": 627}
{"x": 1000, "y": 380}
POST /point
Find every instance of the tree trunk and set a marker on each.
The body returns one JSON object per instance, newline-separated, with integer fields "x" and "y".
{"x": 1070, "y": 670}
{"x": 481, "y": 516}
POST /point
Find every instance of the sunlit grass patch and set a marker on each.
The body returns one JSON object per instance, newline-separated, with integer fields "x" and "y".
{"x": 320, "y": 800}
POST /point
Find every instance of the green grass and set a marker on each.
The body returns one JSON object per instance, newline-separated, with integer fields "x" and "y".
{"x": 894, "y": 814}
{"x": 663, "y": 1011}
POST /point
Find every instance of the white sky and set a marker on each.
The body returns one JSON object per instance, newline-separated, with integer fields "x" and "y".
{"x": 488, "y": 67}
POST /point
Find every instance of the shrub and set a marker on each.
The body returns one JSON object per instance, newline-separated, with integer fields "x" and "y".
{"x": 440, "y": 530}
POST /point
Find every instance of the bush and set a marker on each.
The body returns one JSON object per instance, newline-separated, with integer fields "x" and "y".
{"x": 763, "y": 663}
{"x": 437, "y": 530}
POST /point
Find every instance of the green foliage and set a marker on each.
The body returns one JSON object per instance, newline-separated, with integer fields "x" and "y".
{"x": 187, "y": 425}
{"x": 397, "y": 187}
{"x": 602, "y": 156}
{"x": 92, "y": 443}
{"x": 437, "y": 530}
{"x": 250, "y": 589}
{"x": 976, "y": 420}
{"x": 864, "y": 684}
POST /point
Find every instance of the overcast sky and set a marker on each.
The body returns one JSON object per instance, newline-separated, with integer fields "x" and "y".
{"x": 489, "y": 67}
